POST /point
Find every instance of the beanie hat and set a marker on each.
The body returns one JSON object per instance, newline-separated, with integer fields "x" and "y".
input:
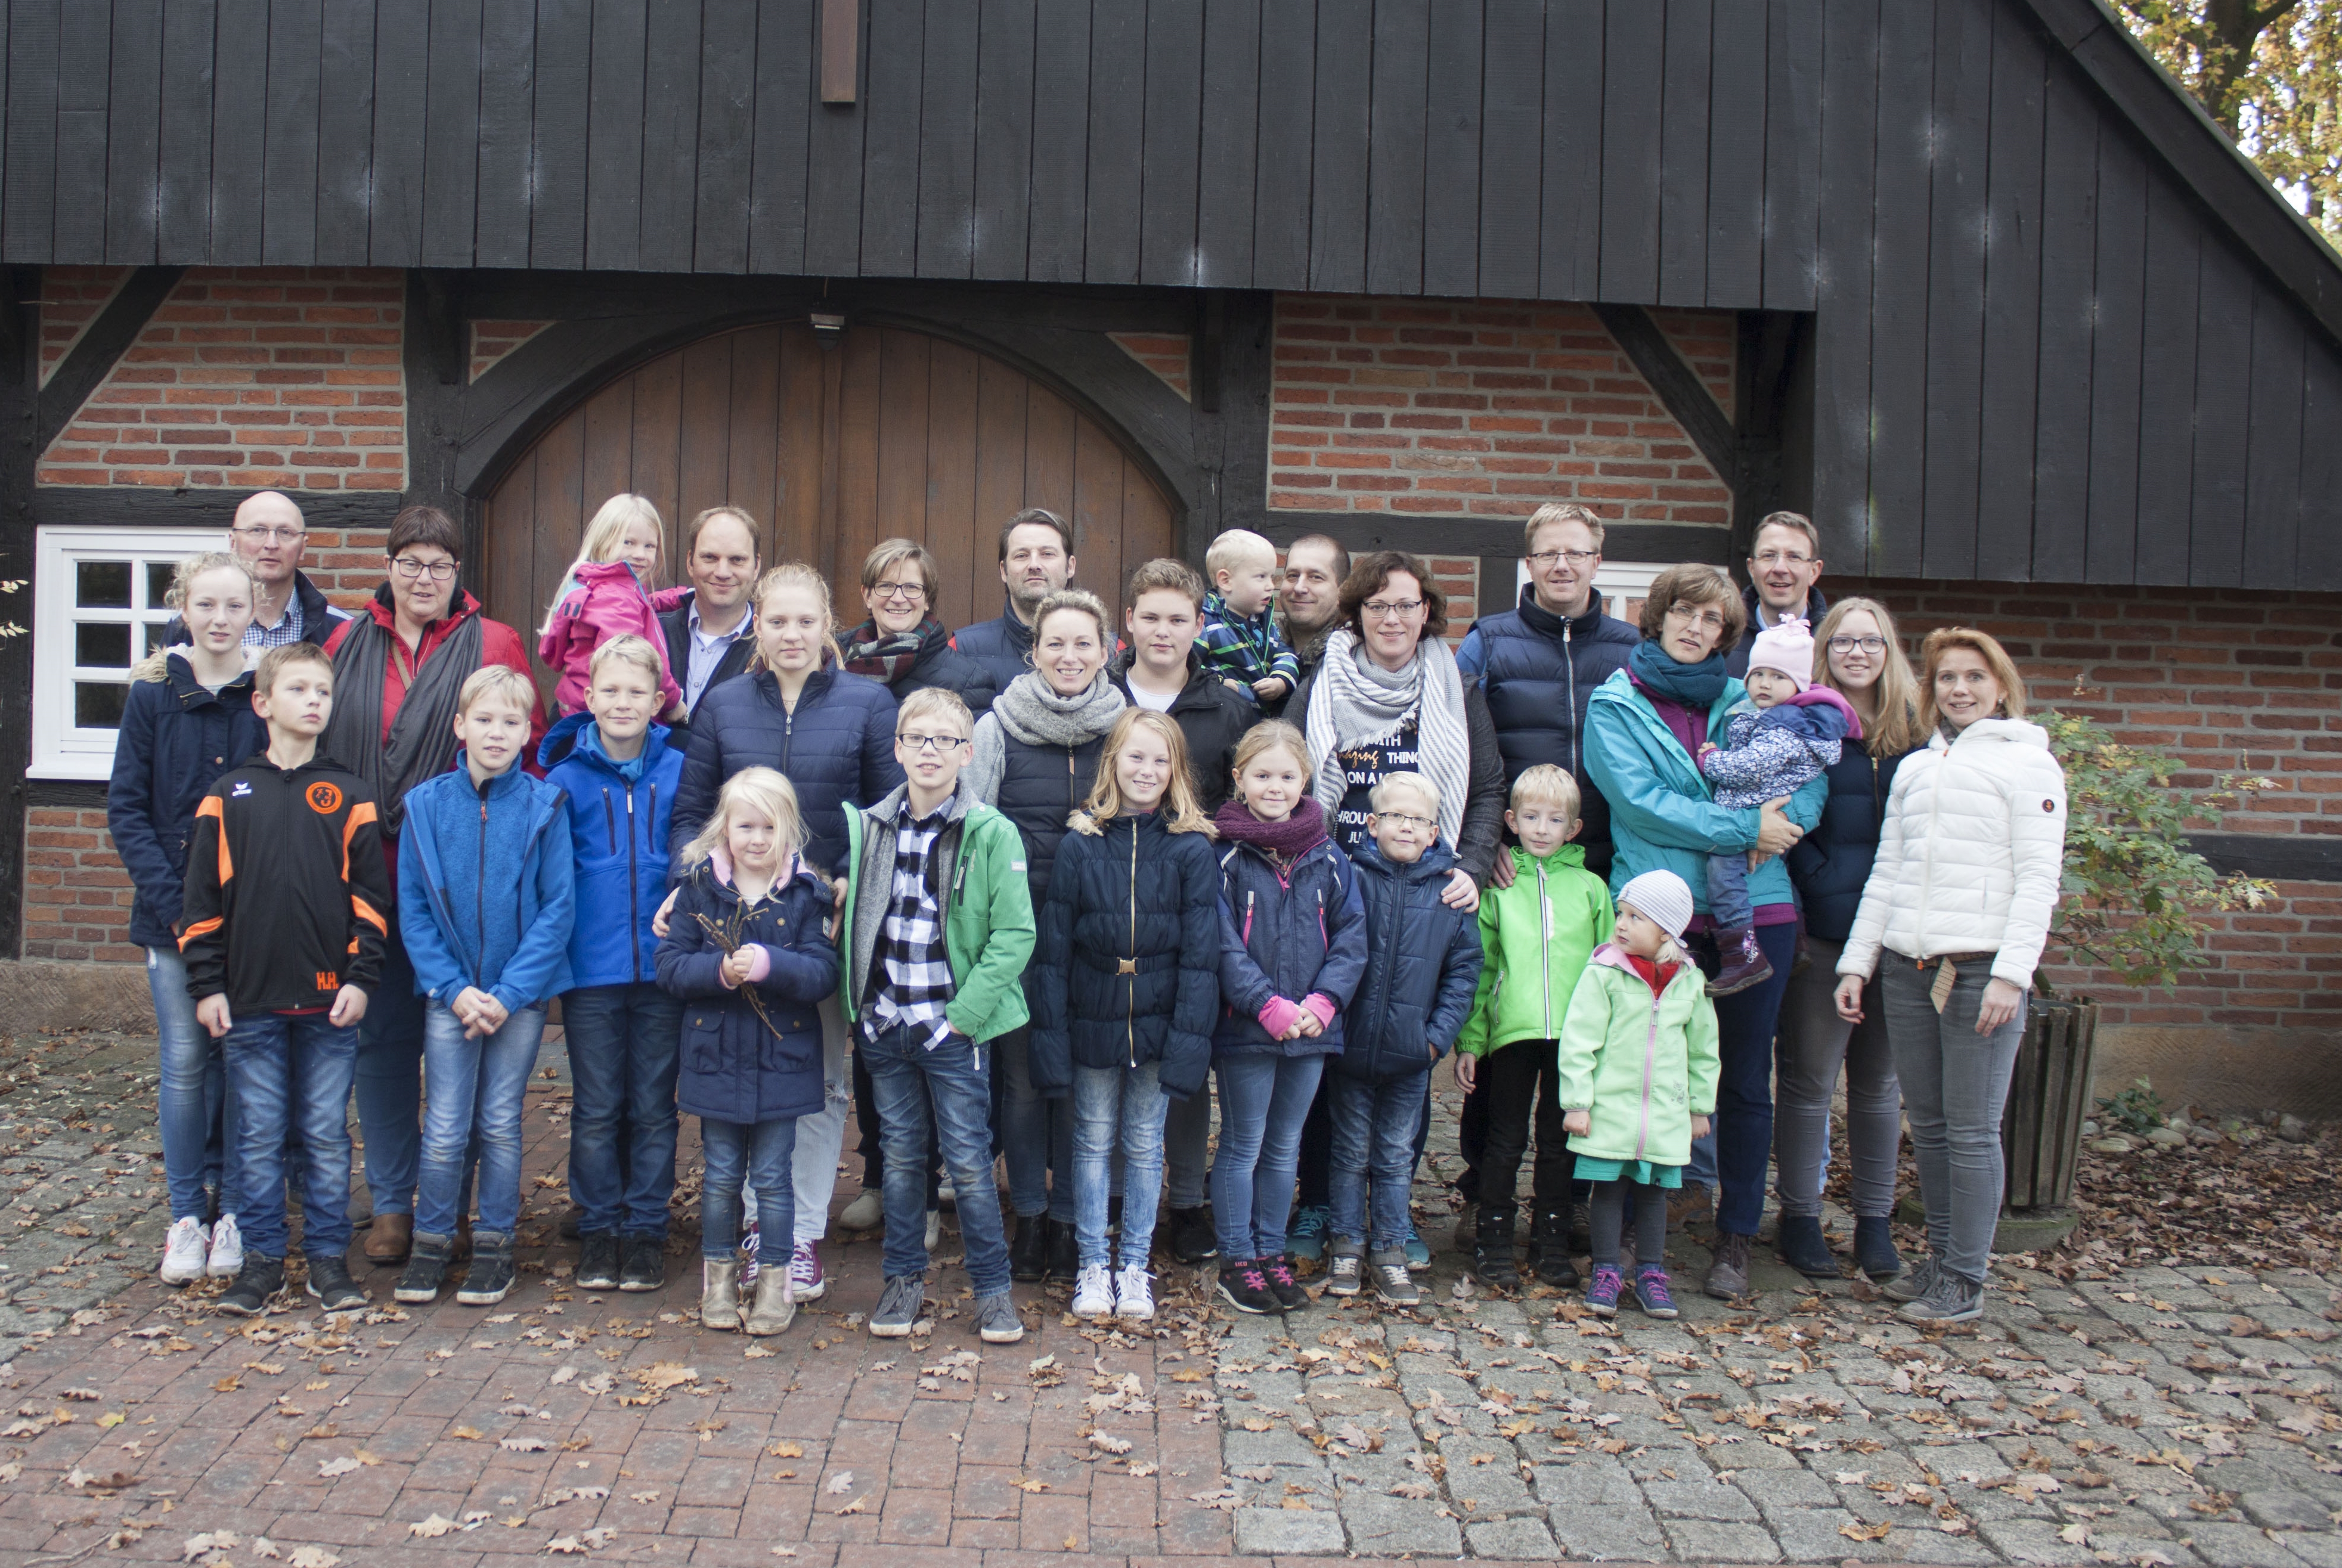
{"x": 1787, "y": 648}
{"x": 1662, "y": 896}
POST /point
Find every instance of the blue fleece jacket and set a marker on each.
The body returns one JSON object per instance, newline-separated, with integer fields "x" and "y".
{"x": 619, "y": 814}
{"x": 486, "y": 886}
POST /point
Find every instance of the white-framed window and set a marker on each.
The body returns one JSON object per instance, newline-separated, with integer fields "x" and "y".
{"x": 98, "y": 610}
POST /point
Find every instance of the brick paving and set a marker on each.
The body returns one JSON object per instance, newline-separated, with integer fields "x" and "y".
{"x": 2167, "y": 1416}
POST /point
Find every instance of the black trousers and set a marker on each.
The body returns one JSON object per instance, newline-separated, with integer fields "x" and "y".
{"x": 1517, "y": 1081}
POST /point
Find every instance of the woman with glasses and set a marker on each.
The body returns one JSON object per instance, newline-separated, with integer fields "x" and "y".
{"x": 1863, "y": 661}
{"x": 1645, "y": 728}
{"x": 398, "y": 670}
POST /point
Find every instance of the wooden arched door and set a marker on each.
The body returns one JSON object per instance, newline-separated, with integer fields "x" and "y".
{"x": 831, "y": 448}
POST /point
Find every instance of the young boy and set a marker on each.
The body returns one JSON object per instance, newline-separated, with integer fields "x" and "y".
{"x": 1537, "y": 935}
{"x": 939, "y": 924}
{"x": 1422, "y": 960}
{"x": 1240, "y": 641}
{"x": 619, "y": 771}
{"x": 486, "y": 895}
{"x": 283, "y": 937}
{"x": 1777, "y": 741}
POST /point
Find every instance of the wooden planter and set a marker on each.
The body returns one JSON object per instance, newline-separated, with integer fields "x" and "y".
{"x": 2048, "y": 1097}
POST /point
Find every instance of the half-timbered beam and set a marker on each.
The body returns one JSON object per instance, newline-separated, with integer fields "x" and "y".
{"x": 87, "y": 364}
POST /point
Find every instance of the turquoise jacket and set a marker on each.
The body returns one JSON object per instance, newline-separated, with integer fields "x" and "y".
{"x": 1663, "y": 816}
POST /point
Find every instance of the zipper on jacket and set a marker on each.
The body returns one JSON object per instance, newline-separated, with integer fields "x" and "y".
{"x": 1576, "y": 764}
{"x": 480, "y": 888}
{"x": 1650, "y": 1058}
{"x": 1131, "y": 1028}
{"x": 1545, "y": 943}
{"x": 635, "y": 931}
{"x": 610, "y": 817}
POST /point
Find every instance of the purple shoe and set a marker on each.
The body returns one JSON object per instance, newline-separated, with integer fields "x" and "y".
{"x": 1651, "y": 1291}
{"x": 1602, "y": 1295}
{"x": 806, "y": 1281}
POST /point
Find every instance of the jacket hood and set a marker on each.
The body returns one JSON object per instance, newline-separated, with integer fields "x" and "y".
{"x": 884, "y": 808}
{"x": 175, "y": 670}
{"x": 586, "y": 572}
{"x": 567, "y": 740}
{"x": 1995, "y": 732}
{"x": 1610, "y": 955}
{"x": 1437, "y": 860}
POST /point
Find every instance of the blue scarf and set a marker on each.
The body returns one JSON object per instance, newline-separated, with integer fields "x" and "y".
{"x": 1695, "y": 686}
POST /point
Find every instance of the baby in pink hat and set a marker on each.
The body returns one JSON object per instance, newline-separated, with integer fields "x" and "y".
{"x": 1777, "y": 739}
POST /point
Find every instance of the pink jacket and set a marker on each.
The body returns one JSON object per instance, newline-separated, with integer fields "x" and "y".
{"x": 608, "y": 601}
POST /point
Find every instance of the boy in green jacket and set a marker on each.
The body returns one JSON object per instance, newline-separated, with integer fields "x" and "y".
{"x": 1538, "y": 933}
{"x": 938, "y": 926}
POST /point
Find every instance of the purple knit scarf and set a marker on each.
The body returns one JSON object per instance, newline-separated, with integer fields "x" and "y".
{"x": 1283, "y": 842}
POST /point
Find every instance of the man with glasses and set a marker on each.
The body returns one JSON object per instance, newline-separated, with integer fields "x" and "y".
{"x": 1784, "y": 564}
{"x": 708, "y": 635}
{"x": 268, "y": 535}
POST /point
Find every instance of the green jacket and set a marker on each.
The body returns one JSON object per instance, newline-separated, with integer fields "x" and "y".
{"x": 1536, "y": 936}
{"x": 1645, "y": 1066}
{"x": 988, "y": 911}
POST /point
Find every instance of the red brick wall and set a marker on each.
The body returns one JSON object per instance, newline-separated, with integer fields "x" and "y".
{"x": 1164, "y": 353}
{"x": 491, "y": 340}
{"x": 1482, "y": 408}
{"x": 73, "y": 297}
{"x": 250, "y": 377}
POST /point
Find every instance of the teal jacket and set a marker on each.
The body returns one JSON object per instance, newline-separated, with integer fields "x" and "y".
{"x": 1536, "y": 936}
{"x": 1643, "y": 1065}
{"x": 1662, "y": 815}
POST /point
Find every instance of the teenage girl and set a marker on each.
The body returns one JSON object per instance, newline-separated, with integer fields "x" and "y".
{"x": 608, "y": 593}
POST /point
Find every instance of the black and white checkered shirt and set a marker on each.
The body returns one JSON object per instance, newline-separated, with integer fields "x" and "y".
{"x": 916, "y": 979}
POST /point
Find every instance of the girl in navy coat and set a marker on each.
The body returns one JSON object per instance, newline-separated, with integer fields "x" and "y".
{"x": 188, "y": 719}
{"x": 1293, "y": 948}
{"x": 745, "y": 951}
{"x": 1124, "y": 985}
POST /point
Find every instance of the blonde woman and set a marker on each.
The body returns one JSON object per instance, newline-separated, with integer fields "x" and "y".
{"x": 1953, "y": 919}
{"x": 611, "y": 591}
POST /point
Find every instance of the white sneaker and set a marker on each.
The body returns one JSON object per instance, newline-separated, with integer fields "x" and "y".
{"x": 934, "y": 1229}
{"x": 866, "y": 1213}
{"x": 227, "y": 1250}
{"x": 1094, "y": 1293}
{"x": 948, "y": 1195}
{"x": 183, "y": 1249}
{"x": 1134, "y": 1295}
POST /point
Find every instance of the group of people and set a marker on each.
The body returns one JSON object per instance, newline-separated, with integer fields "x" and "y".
{"x": 1046, "y": 891}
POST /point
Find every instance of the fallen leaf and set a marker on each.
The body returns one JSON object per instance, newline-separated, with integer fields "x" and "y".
{"x": 856, "y": 1506}
{"x": 228, "y": 1385}
{"x": 563, "y": 1374}
{"x": 522, "y": 1444}
{"x": 784, "y": 1551}
{"x": 333, "y": 1467}
{"x": 1105, "y": 1443}
{"x": 1866, "y": 1532}
{"x": 567, "y": 1545}
{"x": 839, "y": 1484}
{"x": 1415, "y": 1489}
{"x": 1027, "y": 1483}
{"x": 437, "y": 1525}
{"x": 468, "y": 1433}
{"x": 643, "y": 1496}
{"x": 261, "y": 1546}
{"x": 311, "y": 1557}
{"x": 111, "y": 1419}
{"x": 660, "y": 1376}
{"x": 86, "y": 1395}
{"x": 209, "y": 1542}
{"x": 786, "y": 1451}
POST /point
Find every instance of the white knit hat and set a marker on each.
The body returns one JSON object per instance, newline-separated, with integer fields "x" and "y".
{"x": 1662, "y": 896}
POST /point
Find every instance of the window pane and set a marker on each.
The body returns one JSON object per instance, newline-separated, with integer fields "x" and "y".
{"x": 155, "y": 634}
{"x": 102, "y": 645}
{"x": 102, "y": 584}
{"x": 158, "y": 581}
{"x": 98, "y": 707}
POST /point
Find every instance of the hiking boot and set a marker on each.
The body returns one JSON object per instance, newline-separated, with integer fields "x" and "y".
{"x": 868, "y": 1212}
{"x": 1193, "y": 1239}
{"x": 1950, "y": 1299}
{"x": 1728, "y": 1276}
{"x": 1912, "y": 1283}
{"x": 898, "y": 1306}
{"x": 490, "y": 1277}
{"x": 1290, "y": 1296}
{"x": 719, "y": 1292}
{"x": 330, "y": 1282}
{"x": 260, "y": 1277}
{"x": 1244, "y": 1286}
{"x": 227, "y": 1250}
{"x": 1392, "y": 1283}
{"x": 1492, "y": 1251}
{"x": 1651, "y": 1292}
{"x": 427, "y": 1271}
{"x": 1549, "y": 1253}
{"x": 1345, "y": 1269}
{"x": 1094, "y": 1292}
{"x": 1028, "y": 1249}
{"x": 1602, "y": 1295}
{"x": 186, "y": 1250}
{"x": 1306, "y": 1240}
{"x": 389, "y": 1239}
{"x": 1065, "y": 1251}
{"x": 807, "y": 1282}
{"x": 645, "y": 1266}
{"x": 1745, "y": 964}
{"x": 1804, "y": 1248}
{"x": 775, "y": 1307}
{"x": 1874, "y": 1248}
{"x": 597, "y": 1260}
{"x": 995, "y": 1321}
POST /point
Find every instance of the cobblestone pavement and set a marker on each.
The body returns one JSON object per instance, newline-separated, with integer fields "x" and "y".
{"x": 2168, "y": 1415}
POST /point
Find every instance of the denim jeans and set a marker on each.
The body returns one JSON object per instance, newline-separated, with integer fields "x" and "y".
{"x": 1954, "y": 1087}
{"x": 1264, "y": 1097}
{"x": 622, "y": 1044}
{"x": 1744, "y": 1096}
{"x": 390, "y": 1082}
{"x": 1036, "y": 1135}
{"x": 194, "y": 1110}
{"x": 1727, "y": 891}
{"x": 293, "y": 1071}
{"x": 873, "y": 1146}
{"x": 1814, "y": 1042}
{"x": 758, "y": 1154}
{"x": 937, "y": 1098}
{"x": 1374, "y": 1127}
{"x": 1118, "y": 1109}
{"x": 1187, "y": 1152}
{"x": 476, "y": 1090}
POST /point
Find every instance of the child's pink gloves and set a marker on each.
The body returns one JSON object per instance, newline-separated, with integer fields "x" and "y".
{"x": 1278, "y": 1016}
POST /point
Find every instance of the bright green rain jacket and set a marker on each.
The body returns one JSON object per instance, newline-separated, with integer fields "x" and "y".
{"x": 1643, "y": 1064}
{"x": 1536, "y": 936}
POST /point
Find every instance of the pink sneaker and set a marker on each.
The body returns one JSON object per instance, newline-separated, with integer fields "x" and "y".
{"x": 805, "y": 1273}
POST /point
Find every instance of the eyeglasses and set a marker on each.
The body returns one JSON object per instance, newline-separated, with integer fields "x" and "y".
{"x": 1848, "y": 644}
{"x": 1403, "y": 820}
{"x": 923, "y": 743}
{"x": 409, "y": 567}
{"x": 1783, "y": 558}
{"x": 1713, "y": 619}
{"x": 1543, "y": 560}
{"x": 270, "y": 535}
{"x": 1390, "y": 609}
{"x": 911, "y": 591}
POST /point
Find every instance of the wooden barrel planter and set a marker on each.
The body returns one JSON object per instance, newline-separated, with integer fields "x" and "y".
{"x": 2041, "y": 1128}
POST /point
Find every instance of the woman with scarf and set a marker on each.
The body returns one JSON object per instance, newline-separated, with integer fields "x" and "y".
{"x": 398, "y": 670}
{"x": 1390, "y": 698}
{"x": 1644, "y": 729}
{"x": 1035, "y": 757}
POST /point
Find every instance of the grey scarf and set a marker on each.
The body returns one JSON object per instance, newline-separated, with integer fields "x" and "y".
{"x": 1032, "y": 712}
{"x": 1353, "y": 700}
{"x": 423, "y": 737}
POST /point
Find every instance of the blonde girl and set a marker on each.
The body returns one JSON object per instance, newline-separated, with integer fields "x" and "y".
{"x": 609, "y": 592}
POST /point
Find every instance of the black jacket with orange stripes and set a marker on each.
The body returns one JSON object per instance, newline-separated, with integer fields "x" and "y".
{"x": 286, "y": 887}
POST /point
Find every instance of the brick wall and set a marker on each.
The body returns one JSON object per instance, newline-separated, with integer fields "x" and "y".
{"x": 250, "y": 378}
{"x": 1482, "y": 408}
{"x": 1164, "y": 353}
{"x": 491, "y": 340}
{"x": 73, "y": 297}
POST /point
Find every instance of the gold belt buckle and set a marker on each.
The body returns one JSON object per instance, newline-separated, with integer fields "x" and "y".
{"x": 1126, "y": 967}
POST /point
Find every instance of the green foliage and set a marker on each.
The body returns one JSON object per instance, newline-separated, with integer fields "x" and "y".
{"x": 2138, "y": 1109}
{"x": 2135, "y": 895}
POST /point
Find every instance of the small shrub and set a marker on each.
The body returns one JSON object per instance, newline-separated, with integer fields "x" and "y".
{"x": 2138, "y": 1109}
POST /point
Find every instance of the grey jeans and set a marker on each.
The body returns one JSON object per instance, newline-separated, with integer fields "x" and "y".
{"x": 1954, "y": 1087}
{"x": 1814, "y": 1042}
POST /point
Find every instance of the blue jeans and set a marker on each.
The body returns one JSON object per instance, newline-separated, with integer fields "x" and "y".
{"x": 1263, "y": 1099}
{"x": 195, "y": 1112}
{"x": 390, "y": 1082}
{"x": 1117, "y": 1106}
{"x": 292, "y": 1073}
{"x": 941, "y": 1097}
{"x": 1374, "y": 1127}
{"x": 1744, "y": 1097}
{"x": 1727, "y": 891}
{"x": 1036, "y": 1135}
{"x": 622, "y": 1042}
{"x": 477, "y": 1089}
{"x": 757, "y": 1153}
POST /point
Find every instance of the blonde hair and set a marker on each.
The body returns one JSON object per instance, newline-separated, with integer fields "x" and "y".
{"x": 1548, "y": 783}
{"x": 605, "y": 530}
{"x": 497, "y": 681}
{"x": 1234, "y": 548}
{"x": 1668, "y": 953}
{"x": 629, "y": 649}
{"x": 795, "y": 575}
{"x": 1275, "y": 735}
{"x": 760, "y": 790}
{"x": 940, "y": 700}
{"x": 1897, "y": 729}
{"x": 154, "y": 665}
{"x": 1390, "y": 784}
{"x": 1942, "y": 639}
{"x": 1181, "y": 811}
{"x": 1554, "y": 512}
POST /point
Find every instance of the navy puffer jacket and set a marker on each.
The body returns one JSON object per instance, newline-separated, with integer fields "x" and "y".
{"x": 838, "y": 748}
{"x": 1831, "y": 863}
{"x": 1040, "y": 788}
{"x": 732, "y": 1066}
{"x": 941, "y": 665}
{"x": 1423, "y": 963}
{"x": 176, "y": 738}
{"x": 1286, "y": 935}
{"x": 1140, "y": 894}
{"x": 1004, "y": 646}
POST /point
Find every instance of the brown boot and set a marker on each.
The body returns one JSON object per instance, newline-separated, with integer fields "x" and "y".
{"x": 389, "y": 1239}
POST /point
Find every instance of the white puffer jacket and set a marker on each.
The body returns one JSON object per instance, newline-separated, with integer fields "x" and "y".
{"x": 1970, "y": 855}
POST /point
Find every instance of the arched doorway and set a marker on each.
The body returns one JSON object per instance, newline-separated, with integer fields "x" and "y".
{"x": 831, "y": 448}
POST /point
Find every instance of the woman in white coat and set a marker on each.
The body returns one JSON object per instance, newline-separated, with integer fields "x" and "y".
{"x": 1954, "y": 917}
